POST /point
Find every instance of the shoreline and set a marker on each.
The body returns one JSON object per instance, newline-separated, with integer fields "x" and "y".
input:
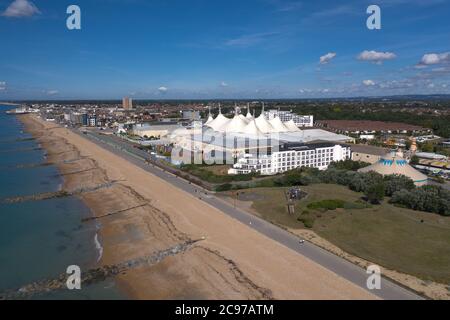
{"x": 139, "y": 213}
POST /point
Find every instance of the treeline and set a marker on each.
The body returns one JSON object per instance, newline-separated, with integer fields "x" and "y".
{"x": 440, "y": 124}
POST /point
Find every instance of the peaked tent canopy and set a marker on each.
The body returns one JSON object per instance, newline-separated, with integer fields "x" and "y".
{"x": 291, "y": 126}
{"x": 394, "y": 163}
{"x": 263, "y": 125}
{"x": 252, "y": 129}
{"x": 278, "y": 125}
{"x": 219, "y": 122}
{"x": 235, "y": 125}
{"x": 209, "y": 121}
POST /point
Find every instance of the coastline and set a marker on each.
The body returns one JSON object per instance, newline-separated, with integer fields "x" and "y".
{"x": 140, "y": 214}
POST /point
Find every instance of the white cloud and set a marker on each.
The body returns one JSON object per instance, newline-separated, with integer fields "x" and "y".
{"x": 223, "y": 84}
{"x": 163, "y": 89}
{"x": 248, "y": 40}
{"x": 290, "y": 6}
{"x": 327, "y": 58}
{"x": 375, "y": 56}
{"x": 52, "y": 92}
{"x": 434, "y": 58}
{"x": 368, "y": 82}
{"x": 21, "y": 8}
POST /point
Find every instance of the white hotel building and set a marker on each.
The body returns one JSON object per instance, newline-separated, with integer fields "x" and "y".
{"x": 291, "y": 156}
{"x": 285, "y": 116}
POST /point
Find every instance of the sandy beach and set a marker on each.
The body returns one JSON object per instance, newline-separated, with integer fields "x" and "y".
{"x": 140, "y": 213}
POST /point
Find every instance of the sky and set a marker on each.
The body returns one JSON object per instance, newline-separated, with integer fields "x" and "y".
{"x": 214, "y": 49}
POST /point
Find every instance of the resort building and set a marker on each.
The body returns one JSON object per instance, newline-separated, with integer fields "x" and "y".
{"x": 291, "y": 156}
{"x": 285, "y": 116}
{"x": 227, "y": 139}
{"x": 366, "y": 153}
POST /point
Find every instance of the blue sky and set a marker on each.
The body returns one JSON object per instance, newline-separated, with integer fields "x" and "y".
{"x": 222, "y": 49}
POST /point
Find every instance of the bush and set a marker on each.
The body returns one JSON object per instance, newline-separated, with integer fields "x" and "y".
{"x": 307, "y": 220}
{"x": 349, "y": 165}
{"x": 361, "y": 182}
{"x": 224, "y": 187}
{"x": 327, "y": 204}
{"x": 375, "y": 192}
{"x": 427, "y": 198}
{"x": 396, "y": 182}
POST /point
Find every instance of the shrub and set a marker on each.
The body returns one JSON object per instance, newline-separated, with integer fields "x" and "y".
{"x": 307, "y": 220}
{"x": 327, "y": 204}
{"x": 349, "y": 165}
{"x": 427, "y": 198}
{"x": 224, "y": 187}
{"x": 375, "y": 192}
{"x": 396, "y": 182}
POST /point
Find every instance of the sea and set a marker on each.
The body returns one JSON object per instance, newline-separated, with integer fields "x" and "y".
{"x": 39, "y": 240}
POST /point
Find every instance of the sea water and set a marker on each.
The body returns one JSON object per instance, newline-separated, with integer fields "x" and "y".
{"x": 40, "y": 239}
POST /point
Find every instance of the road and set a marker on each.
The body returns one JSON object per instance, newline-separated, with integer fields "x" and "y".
{"x": 389, "y": 290}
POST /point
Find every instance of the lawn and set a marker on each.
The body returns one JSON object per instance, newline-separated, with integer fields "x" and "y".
{"x": 413, "y": 242}
{"x": 219, "y": 170}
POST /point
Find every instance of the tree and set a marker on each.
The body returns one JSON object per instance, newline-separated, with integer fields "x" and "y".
{"x": 427, "y": 147}
{"x": 349, "y": 165}
{"x": 397, "y": 182}
{"x": 375, "y": 193}
{"x": 414, "y": 160}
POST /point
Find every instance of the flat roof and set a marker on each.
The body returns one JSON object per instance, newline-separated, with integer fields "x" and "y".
{"x": 368, "y": 125}
{"x": 306, "y": 146}
{"x": 363, "y": 148}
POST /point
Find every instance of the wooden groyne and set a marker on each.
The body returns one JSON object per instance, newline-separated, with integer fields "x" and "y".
{"x": 21, "y": 150}
{"x": 94, "y": 275}
{"x": 56, "y": 194}
{"x": 17, "y": 140}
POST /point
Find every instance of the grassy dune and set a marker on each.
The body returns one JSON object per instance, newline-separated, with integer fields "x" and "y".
{"x": 413, "y": 242}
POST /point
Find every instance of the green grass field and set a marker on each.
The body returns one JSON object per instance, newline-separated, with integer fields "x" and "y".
{"x": 413, "y": 242}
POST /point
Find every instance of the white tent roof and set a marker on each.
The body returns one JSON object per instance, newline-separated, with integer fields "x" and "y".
{"x": 263, "y": 125}
{"x": 252, "y": 129}
{"x": 243, "y": 118}
{"x": 291, "y": 126}
{"x": 235, "y": 125}
{"x": 277, "y": 125}
{"x": 209, "y": 121}
{"x": 219, "y": 122}
{"x": 249, "y": 115}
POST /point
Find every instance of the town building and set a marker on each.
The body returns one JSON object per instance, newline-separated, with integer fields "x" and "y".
{"x": 92, "y": 121}
{"x": 445, "y": 144}
{"x": 127, "y": 103}
{"x": 154, "y": 130}
{"x": 191, "y": 115}
{"x": 291, "y": 156}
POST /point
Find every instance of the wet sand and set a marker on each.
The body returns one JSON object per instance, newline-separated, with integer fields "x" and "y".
{"x": 141, "y": 213}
